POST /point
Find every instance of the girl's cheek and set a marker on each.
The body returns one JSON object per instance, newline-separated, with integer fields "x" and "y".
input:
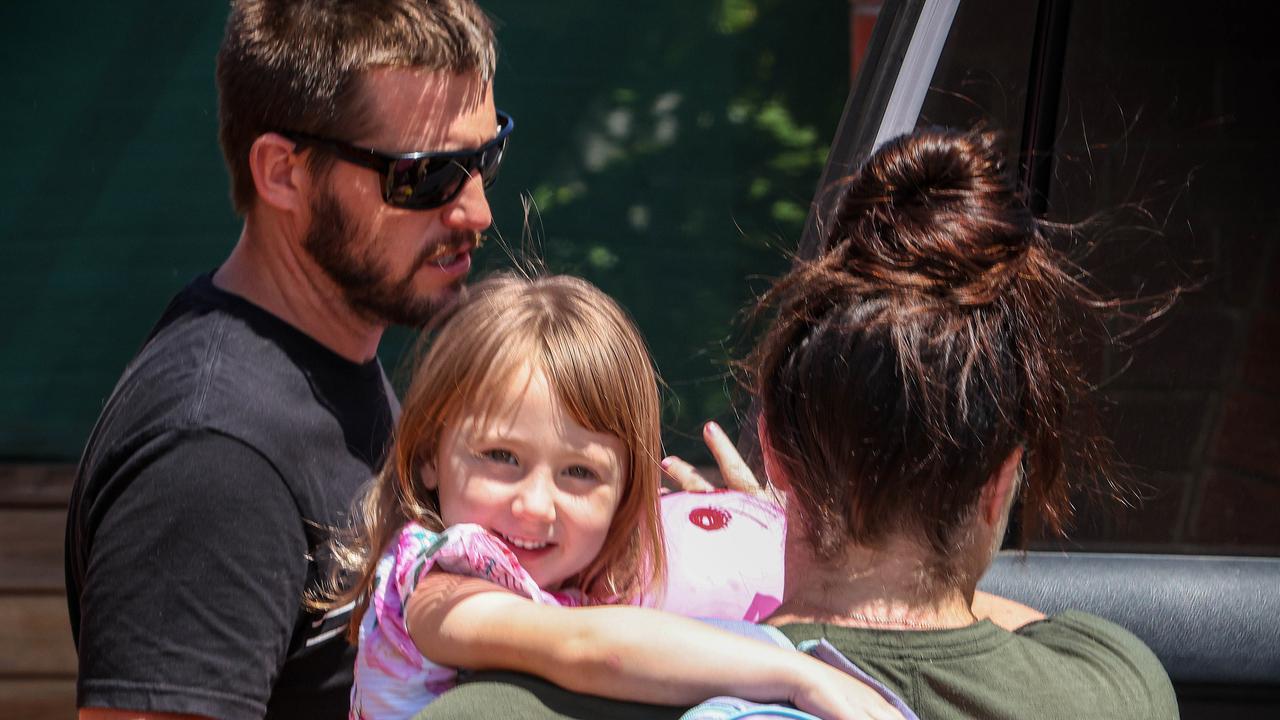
{"x": 607, "y": 506}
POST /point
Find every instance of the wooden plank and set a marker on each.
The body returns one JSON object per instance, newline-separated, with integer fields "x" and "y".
{"x": 38, "y": 699}
{"x": 31, "y": 549}
{"x": 35, "y": 636}
{"x": 45, "y": 485}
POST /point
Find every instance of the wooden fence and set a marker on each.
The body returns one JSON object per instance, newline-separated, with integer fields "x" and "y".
{"x": 37, "y": 656}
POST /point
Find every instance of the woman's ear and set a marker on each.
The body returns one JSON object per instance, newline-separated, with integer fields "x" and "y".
{"x": 773, "y": 472}
{"x": 1000, "y": 490}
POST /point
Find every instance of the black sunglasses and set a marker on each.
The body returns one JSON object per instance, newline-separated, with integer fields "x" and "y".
{"x": 421, "y": 180}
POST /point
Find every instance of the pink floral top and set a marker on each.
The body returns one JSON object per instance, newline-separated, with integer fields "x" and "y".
{"x": 392, "y": 678}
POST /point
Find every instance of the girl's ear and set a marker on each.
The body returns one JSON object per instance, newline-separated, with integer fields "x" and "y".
{"x": 427, "y": 472}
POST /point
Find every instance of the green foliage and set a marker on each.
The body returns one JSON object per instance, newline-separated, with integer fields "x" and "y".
{"x": 675, "y": 159}
{"x": 735, "y": 16}
{"x": 669, "y": 150}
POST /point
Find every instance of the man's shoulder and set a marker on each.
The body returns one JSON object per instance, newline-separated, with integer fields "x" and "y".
{"x": 214, "y": 363}
{"x": 210, "y": 356}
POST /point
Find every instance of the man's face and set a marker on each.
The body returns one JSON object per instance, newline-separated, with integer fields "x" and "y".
{"x": 393, "y": 265}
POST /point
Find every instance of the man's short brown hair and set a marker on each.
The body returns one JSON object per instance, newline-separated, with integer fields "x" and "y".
{"x": 296, "y": 65}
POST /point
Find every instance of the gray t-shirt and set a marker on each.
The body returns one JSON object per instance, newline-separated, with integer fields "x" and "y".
{"x": 230, "y": 445}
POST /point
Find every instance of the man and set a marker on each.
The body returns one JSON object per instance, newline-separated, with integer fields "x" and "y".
{"x": 241, "y": 432}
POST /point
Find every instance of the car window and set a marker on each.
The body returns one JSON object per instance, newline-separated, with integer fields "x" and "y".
{"x": 982, "y": 74}
{"x": 1166, "y": 118}
{"x": 1161, "y": 126}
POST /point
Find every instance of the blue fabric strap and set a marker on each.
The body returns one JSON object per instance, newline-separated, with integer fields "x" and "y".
{"x": 731, "y": 708}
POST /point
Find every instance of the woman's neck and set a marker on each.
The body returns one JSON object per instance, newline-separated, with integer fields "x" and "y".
{"x": 890, "y": 587}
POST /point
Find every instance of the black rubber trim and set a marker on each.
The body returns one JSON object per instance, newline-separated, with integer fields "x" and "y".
{"x": 1044, "y": 93}
{"x": 1210, "y": 620}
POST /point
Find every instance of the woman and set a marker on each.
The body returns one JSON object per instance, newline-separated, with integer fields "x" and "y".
{"x": 914, "y": 382}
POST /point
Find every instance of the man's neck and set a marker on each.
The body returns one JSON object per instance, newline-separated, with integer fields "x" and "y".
{"x": 280, "y": 278}
{"x": 890, "y": 587}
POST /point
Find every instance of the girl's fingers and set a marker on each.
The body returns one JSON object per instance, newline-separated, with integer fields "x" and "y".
{"x": 734, "y": 470}
{"x": 685, "y": 476}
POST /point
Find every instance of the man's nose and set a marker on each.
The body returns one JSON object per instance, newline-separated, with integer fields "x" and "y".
{"x": 535, "y": 500}
{"x": 470, "y": 210}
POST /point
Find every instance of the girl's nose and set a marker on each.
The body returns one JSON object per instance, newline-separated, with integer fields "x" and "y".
{"x": 535, "y": 500}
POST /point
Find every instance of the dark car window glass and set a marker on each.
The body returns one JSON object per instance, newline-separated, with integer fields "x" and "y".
{"x": 981, "y": 78}
{"x": 1164, "y": 136}
{"x": 1166, "y": 122}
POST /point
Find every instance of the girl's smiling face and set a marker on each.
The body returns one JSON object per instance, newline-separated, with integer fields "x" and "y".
{"x": 532, "y": 476}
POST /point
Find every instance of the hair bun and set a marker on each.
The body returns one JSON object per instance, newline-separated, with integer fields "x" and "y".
{"x": 933, "y": 212}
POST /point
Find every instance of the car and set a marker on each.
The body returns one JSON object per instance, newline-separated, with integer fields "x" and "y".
{"x": 1154, "y": 120}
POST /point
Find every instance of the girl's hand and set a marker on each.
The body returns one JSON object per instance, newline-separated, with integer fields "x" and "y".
{"x": 831, "y": 694}
{"x": 734, "y": 472}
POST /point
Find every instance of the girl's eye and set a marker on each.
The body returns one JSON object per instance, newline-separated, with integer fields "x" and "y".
{"x": 581, "y": 472}
{"x": 506, "y": 457}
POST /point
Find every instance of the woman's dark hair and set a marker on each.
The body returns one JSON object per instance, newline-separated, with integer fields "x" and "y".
{"x": 926, "y": 343}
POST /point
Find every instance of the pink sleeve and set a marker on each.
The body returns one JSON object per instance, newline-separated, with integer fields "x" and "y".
{"x": 462, "y": 550}
{"x": 472, "y": 551}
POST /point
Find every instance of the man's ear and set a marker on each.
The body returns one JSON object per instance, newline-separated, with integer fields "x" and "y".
{"x": 773, "y": 471}
{"x": 997, "y": 494}
{"x": 279, "y": 172}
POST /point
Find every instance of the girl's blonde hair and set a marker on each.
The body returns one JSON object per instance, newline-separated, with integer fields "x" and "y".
{"x": 600, "y": 370}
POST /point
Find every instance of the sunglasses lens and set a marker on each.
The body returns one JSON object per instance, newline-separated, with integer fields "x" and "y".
{"x": 491, "y": 162}
{"x": 425, "y": 184}
{"x": 430, "y": 182}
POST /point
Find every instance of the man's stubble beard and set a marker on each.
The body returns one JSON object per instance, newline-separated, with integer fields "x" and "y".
{"x": 336, "y": 244}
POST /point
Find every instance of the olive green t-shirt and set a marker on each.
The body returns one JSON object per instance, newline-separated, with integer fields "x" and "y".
{"x": 1073, "y": 666}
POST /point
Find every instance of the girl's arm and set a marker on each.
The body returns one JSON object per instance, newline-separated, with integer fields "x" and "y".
{"x": 622, "y": 652}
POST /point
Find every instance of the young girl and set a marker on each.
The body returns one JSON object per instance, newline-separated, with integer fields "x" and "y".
{"x": 519, "y": 502}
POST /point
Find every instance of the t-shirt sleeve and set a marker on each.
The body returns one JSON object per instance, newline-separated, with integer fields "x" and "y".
{"x": 394, "y": 679}
{"x": 1111, "y": 658}
{"x": 461, "y": 550}
{"x": 194, "y": 580}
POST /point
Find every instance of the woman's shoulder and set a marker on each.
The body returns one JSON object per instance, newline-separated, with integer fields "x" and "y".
{"x": 1090, "y": 647}
{"x": 1076, "y": 628}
